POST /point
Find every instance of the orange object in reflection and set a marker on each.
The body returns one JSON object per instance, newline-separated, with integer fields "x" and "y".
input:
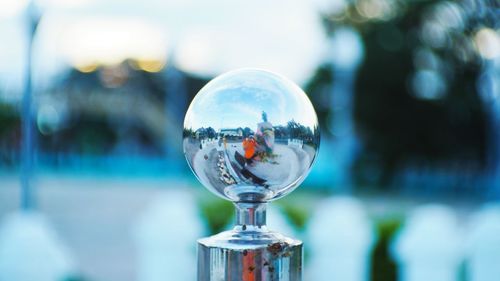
{"x": 249, "y": 266}
{"x": 249, "y": 145}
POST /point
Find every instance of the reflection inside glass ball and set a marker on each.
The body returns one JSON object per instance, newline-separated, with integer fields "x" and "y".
{"x": 251, "y": 136}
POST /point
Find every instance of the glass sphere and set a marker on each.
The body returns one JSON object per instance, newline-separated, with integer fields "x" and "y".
{"x": 251, "y": 136}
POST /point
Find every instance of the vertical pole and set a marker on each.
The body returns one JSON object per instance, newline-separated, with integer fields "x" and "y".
{"x": 27, "y": 143}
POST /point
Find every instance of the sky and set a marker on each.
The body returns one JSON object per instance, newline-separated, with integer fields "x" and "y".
{"x": 238, "y": 98}
{"x": 205, "y": 38}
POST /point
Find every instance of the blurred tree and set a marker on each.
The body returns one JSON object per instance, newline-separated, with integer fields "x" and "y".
{"x": 383, "y": 268}
{"x": 217, "y": 211}
{"x": 112, "y": 110}
{"x": 416, "y": 100}
{"x": 318, "y": 89}
{"x": 9, "y": 135}
{"x": 247, "y": 132}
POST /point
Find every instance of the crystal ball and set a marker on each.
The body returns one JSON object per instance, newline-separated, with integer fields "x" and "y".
{"x": 251, "y": 135}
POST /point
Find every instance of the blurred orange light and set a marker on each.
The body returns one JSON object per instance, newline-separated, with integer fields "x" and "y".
{"x": 151, "y": 65}
{"x": 86, "y": 68}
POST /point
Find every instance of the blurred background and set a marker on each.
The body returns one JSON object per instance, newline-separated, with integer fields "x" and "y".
{"x": 94, "y": 184}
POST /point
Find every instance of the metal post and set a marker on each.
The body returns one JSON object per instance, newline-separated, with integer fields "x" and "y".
{"x": 27, "y": 142}
{"x": 249, "y": 252}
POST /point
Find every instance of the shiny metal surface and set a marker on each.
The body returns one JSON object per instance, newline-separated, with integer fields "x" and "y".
{"x": 275, "y": 258}
{"x": 251, "y": 136}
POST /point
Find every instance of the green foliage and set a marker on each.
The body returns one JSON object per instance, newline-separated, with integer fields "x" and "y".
{"x": 396, "y": 123}
{"x": 297, "y": 215}
{"x": 298, "y": 207}
{"x": 10, "y": 131}
{"x": 318, "y": 90}
{"x": 383, "y": 268}
{"x": 9, "y": 119}
{"x": 218, "y": 213}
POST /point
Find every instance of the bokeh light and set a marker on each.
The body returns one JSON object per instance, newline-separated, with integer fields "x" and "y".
{"x": 10, "y": 8}
{"x": 487, "y": 42}
{"x": 407, "y": 95}
{"x": 112, "y": 41}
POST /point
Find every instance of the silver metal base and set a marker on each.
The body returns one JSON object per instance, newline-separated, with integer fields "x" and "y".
{"x": 254, "y": 254}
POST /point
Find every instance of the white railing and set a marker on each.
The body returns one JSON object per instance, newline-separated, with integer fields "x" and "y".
{"x": 483, "y": 245}
{"x": 434, "y": 243}
{"x": 165, "y": 236}
{"x": 340, "y": 239}
{"x": 30, "y": 249}
{"x": 205, "y": 142}
{"x": 430, "y": 245}
{"x": 296, "y": 142}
